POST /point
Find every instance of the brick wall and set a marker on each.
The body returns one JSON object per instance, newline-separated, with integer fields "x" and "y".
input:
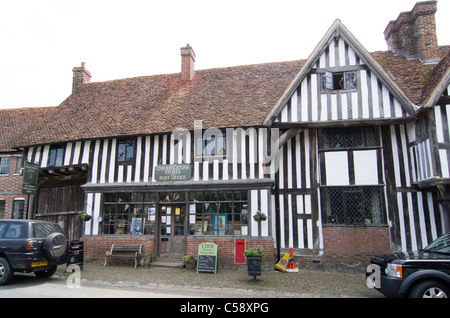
{"x": 227, "y": 248}
{"x": 95, "y": 247}
{"x": 11, "y": 188}
{"x": 353, "y": 245}
{"x": 414, "y": 32}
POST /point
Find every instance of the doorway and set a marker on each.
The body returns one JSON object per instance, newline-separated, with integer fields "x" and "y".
{"x": 172, "y": 234}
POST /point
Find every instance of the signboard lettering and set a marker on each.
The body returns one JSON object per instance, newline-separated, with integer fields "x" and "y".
{"x": 31, "y": 173}
{"x": 207, "y": 257}
{"x": 30, "y": 178}
{"x": 177, "y": 172}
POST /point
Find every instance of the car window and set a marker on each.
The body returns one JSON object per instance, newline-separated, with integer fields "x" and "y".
{"x": 441, "y": 245}
{"x": 14, "y": 230}
{"x": 2, "y": 229}
{"x": 42, "y": 230}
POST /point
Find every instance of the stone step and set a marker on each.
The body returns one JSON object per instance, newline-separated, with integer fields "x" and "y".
{"x": 167, "y": 262}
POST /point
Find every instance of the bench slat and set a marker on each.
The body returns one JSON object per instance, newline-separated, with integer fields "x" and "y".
{"x": 118, "y": 250}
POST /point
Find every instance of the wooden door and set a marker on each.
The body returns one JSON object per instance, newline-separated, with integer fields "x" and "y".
{"x": 172, "y": 231}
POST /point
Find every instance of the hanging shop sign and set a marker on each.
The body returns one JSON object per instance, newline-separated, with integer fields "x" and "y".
{"x": 30, "y": 178}
{"x": 176, "y": 172}
{"x": 207, "y": 257}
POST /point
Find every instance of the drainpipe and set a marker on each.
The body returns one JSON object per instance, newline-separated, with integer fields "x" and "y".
{"x": 277, "y": 216}
{"x": 277, "y": 192}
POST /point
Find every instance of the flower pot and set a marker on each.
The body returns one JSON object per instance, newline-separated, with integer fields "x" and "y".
{"x": 190, "y": 265}
{"x": 144, "y": 260}
{"x": 254, "y": 265}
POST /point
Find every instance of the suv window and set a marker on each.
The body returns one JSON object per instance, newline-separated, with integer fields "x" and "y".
{"x": 441, "y": 245}
{"x": 12, "y": 230}
{"x": 2, "y": 228}
{"x": 42, "y": 230}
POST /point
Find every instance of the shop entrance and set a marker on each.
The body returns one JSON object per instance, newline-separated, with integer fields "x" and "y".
{"x": 172, "y": 234}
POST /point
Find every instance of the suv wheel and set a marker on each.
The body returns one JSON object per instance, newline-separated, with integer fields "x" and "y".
{"x": 54, "y": 246}
{"x": 429, "y": 289}
{"x": 6, "y": 273}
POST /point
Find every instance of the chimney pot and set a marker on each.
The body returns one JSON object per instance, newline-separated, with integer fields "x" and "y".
{"x": 187, "y": 63}
{"x": 80, "y": 76}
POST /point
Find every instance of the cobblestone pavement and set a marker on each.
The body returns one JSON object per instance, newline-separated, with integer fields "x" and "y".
{"x": 272, "y": 283}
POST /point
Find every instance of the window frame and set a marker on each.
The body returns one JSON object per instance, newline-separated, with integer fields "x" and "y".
{"x": 56, "y": 156}
{"x": 328, "y": 81}
{"x": 344, "y": 217}
{"x": 218, "y": 149}
{"x": 18, "y": 209}
{"x": 129, "y": 145}
{"x": 343, "y": 132}
{"x": 126, "y": 206}
{"x": 4, "y": 165}
{"x": 206, "y": 220}
{"x": 2, "y": 209}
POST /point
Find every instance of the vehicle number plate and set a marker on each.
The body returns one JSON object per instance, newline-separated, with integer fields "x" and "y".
{"x": 40, "y": 263}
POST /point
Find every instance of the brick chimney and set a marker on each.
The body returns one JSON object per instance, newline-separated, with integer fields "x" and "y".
{"x": 80, "y": 76}
{"x": 187, "y": 62}
{"x": 414, "y": 33}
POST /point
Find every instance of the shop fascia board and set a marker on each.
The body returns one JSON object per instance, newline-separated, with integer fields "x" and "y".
{"x": 219, "y": 185}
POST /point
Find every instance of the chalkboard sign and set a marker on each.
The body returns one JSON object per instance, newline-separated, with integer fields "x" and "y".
{"x": 207, "y": 258}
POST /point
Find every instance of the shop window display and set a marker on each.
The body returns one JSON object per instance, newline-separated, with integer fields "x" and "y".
{"x": 218, "y": 213}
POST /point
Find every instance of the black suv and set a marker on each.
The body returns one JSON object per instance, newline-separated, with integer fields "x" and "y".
{"x": 424, "y": 274}
{"x": 31, "y": 246}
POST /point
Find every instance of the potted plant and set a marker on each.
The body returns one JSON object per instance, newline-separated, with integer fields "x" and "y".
{"x": 254, "y": 261}
{"x": 83, "y": 216}
{"x": 144, "y": 259}
{"x": 259, "y": 216}
{"x": 189, "y": 261}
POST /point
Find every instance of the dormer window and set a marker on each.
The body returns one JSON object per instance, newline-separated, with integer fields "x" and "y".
{"x": 338, "y": 81}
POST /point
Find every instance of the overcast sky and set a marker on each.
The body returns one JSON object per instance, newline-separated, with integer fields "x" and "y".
{"x": 42, "y": 40}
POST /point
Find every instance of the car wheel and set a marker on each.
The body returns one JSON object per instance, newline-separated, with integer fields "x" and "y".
{"x": 6, "y": 272}
{"x": 429, "y": 289}
{"x": 46, "y": 273}
{"x": 54, "y": 246}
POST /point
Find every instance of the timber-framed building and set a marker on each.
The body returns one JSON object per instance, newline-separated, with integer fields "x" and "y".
{"x": 346, "y": 152}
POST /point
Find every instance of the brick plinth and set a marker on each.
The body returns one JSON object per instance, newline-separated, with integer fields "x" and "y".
{"x": 95, "y": 247}
{"x": 353, "y": 245}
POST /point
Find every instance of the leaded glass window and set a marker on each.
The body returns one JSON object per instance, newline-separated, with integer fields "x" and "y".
{"x": 354, "y": 205}
{"x": 338, "y": 81}
{"x": 350, "y": 80}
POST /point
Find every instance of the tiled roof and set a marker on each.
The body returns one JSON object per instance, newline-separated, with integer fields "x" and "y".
{"x": 222, "y": 97}
{"x": 237, "y": 96}
{"x": 435, "y": 77}
{"x": 19, "y": 125}
{"x": 411, "y": 75}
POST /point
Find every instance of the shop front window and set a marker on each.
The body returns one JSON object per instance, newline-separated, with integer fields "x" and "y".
{"x": 218, "y": 213}
{"x": 129, "y": 214}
